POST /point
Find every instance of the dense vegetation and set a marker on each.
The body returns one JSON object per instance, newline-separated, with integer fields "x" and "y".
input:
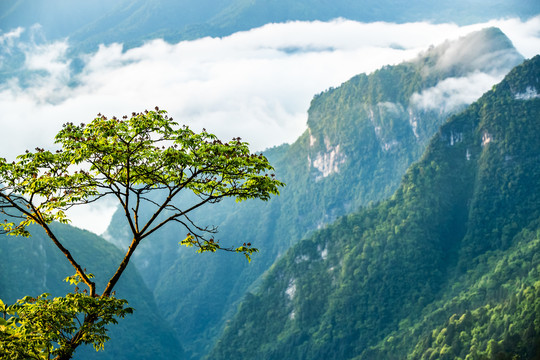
{"x": 447, "y": 268}
{"x": 362, "y": 136}
{"x": 134, "y": 160}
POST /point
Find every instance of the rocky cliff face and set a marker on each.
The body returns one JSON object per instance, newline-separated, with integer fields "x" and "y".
{"x": 360, "y": 140}
{"x": 446, "y": 268}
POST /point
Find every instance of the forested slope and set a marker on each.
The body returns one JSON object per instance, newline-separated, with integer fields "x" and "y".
{"x": 361, "y": 138}
{"x": 447, "y": 268}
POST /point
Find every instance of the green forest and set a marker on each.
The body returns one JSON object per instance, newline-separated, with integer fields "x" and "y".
{"x": 447, "y": 268}
{"x": 403, "y": 231}
{"x": 366, "y": 124}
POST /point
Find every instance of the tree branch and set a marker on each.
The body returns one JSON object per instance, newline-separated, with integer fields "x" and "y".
{"x": 114, "y": 279}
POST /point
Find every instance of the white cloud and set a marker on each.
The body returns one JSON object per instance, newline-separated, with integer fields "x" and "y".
{"x": 8, "y": 39}
{"x": 524, "y": 35}
{"x": 255, "y": 84}
{"x": 7, "y": 42}
{"x": 453, "y": 93}
{"x": 95, "y": 217}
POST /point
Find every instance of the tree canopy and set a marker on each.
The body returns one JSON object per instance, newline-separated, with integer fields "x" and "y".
{"x": 143, "y": 161}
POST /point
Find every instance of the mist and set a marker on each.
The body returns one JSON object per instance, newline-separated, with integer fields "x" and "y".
{"x": 256, "y": 84}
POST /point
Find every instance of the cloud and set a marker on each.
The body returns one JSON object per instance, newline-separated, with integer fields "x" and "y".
{"x": 95, "y": 217}
{"x": 476, "y": 62}
{"x": 8, "y": 39}
{"x": 7, "y": 42}
{"x": 524, "y": 35}
{"x": 454, "y": 93}
{"x": 488, "y": 50}
{"x": 256, "y": 84}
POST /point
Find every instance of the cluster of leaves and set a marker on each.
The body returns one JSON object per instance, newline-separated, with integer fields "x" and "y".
{"x": 128, "y": 159}
{"x": 34, "y": 266}
{"x": 212, "y": 245}
{"x": 38, "y": 187}
{"x": 41, "y": 328}
{"x": 131, "y": 158}
{"x": 147, "y": 151}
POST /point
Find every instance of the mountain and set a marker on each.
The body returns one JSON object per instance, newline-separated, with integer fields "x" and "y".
{"x": 447, "y": 268}
{"x": 133, "y": 21}
{"x": 361, "y": 138}
{"x": 86, "y": 25}
{"x": 34, "y": 266}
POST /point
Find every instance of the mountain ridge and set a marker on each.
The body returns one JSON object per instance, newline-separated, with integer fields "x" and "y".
{"x": 133, "y": 22}
{"x": 363, "y": 287}
{"x": 361, "y": 138}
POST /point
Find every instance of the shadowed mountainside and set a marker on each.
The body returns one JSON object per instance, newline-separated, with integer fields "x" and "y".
{"x": 447, "y": 268}
{"x": 361, "y": 138}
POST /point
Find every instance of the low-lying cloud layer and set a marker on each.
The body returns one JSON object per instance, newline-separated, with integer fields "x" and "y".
{"x": 454, "y": 93}
{"x": 255, "y": 84}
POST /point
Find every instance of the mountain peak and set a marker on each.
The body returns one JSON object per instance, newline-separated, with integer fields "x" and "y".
{"x": 446, "y": 268}
{"x": 488, "y": 50}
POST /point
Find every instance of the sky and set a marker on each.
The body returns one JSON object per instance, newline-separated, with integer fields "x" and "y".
{"x": 256, "y": 84}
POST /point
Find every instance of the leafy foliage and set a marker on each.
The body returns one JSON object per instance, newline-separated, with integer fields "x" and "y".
{"x": 40, "y": 327}
{"x": 127, "y": 159}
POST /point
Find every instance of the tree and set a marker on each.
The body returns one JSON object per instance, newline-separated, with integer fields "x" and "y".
{"x": 145, "y": 162}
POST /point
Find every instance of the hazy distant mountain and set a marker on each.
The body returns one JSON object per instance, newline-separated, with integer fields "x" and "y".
{"x": 447, "y": 268}
{"x": 34, "y": 266}
{"x": 133, "y": 21}
{"x": 361, "y": 138}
